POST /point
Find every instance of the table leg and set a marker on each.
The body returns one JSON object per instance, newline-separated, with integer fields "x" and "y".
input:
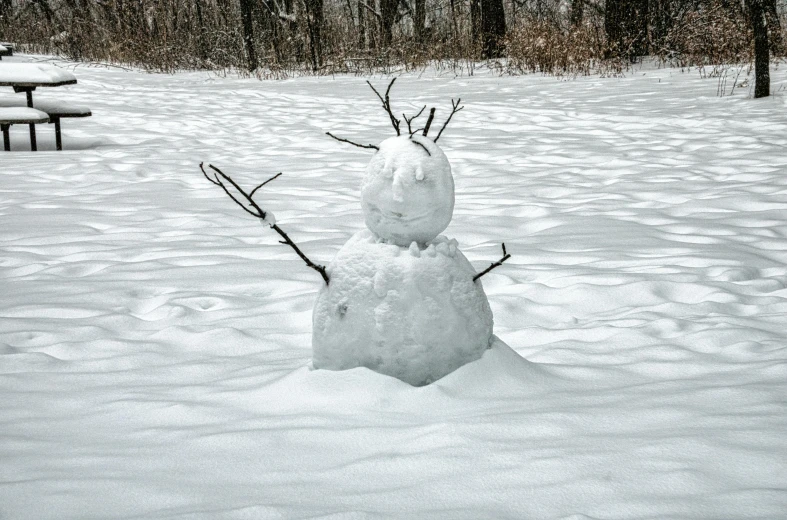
{"x": 33, "y": 144}
{"x": 6, "y": 137}
{"x": 58, "y": 135}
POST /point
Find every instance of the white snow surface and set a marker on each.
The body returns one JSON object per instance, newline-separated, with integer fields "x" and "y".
{"x": 15, "y": 72}
{"x": 408, "y": 191}
{"x": 22, "y": 114}
{"x": 412, "y": 313}
{"x": 155, "y": 340}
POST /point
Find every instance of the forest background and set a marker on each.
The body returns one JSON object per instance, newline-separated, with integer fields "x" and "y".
{"x": 278, "y": 38}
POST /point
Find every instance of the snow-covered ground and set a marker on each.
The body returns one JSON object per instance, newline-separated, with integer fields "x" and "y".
{"x": 155, "y": 340}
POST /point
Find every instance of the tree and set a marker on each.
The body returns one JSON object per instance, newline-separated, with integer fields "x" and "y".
{"x": 759, "y": 24}
{"x": 248, "y": 33}
{"x": 315, "y": 21}
{"x": 419, "y": 20}
{"x": 493, "y": 27}
{"x": 388, "y": 10}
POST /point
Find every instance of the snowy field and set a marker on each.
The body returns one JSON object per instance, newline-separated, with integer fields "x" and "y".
{"x": 155, "y": 341}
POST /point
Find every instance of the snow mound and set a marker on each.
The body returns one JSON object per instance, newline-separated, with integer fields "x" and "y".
{"x": 413, "y": 313}
{"x": 408, "y": 191}
{"x": 500, "y": 372}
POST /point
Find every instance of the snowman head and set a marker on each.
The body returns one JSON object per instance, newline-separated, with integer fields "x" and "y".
{"x": 408, "y": 191}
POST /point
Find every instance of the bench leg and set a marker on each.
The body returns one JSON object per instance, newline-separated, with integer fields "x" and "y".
{"x": 33, "y": 144}
{"x": 6, "y": 138}
{"x": 58, "y": 137}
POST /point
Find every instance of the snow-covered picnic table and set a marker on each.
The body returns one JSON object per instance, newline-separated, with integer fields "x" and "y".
{"x": 26, "y": 77}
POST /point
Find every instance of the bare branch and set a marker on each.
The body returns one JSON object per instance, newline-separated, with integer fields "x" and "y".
{"x": 410, "y": 120}
{"x": 453, "y": 111}
{"x": 352, "y": 143}
{"x": 263, "y": 184}
{"x": 260, "y": 214}
{"x": 218, "y": 182}
{"x": 386, "y": 101}
{"x": 506, "y": 256}
{"x": 429, "y": 122}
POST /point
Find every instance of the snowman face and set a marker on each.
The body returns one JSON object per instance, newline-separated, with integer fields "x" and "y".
{"x": 408, "y": 191}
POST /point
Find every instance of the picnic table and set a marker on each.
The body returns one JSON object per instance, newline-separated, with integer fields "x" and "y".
{"x": 26, "y": 77}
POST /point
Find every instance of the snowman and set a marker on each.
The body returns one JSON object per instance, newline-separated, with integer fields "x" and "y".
{"x": 400, "y": 298}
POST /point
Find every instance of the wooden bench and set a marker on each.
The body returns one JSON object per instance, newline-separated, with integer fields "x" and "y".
{"x": 19, "y": 116}
{"x": 56, "y": 111}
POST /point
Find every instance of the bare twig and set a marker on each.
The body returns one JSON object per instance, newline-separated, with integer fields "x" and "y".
{"x": 258, "y": 212}
{"x": 386, "y": 101}
{"x": 410, "y": 120}
{"x": 263, "y": 184}
{"x": 429, "y": 122}
{"x": 352, "y": 143}
{"x": 454, "y": 110}
{"x": 506, "y": 256}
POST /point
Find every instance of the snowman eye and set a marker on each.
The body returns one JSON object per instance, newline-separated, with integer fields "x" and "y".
{"x": 422, "y": 146}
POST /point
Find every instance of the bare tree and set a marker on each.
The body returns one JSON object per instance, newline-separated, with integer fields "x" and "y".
{"x": 493, "y": 27}
{"x": 759, "y": 24}
{"x": 246, "y": 7}
{"x": 419, "y": 21}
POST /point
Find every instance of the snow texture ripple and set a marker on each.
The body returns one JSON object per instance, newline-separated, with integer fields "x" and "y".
{"x": 155, "y": 342}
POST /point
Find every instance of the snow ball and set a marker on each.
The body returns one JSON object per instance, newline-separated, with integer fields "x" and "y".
{"x": 408, "y": 191}
{"x": 270, "y": 219}
{"x": 416, "y": 318}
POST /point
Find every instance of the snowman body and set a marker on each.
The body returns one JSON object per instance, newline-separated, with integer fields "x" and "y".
{"x": 401, "y": 298}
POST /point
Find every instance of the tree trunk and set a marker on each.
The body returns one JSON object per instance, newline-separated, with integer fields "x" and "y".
{"x": 361, "y": 25}
{"x": 419, "y": 20}
{"x": 248, "y": 34}
{"x": 315, "y": 18}
{"x": 202, "y": 44}
{"x": 475, "y": 20}
{"x": 762, "y": 76}
{"x": 493, "y": 27}
{"x": 388, "y": 10}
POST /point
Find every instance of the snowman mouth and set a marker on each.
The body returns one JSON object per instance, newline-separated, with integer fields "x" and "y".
{"x": 395, "y": 215}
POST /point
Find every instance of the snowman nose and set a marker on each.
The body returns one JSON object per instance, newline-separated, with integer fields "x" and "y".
{"x": 396, "y": 187}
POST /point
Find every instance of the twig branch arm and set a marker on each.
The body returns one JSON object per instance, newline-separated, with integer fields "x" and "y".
{"x": 411, "y": 119}
{"x": 258, "y": 212}
{"x": 505, "y": 257}
{"x": 353, "y": 143}
{"x": 263, "y": 184}
{"x": 319, "y": 268}
{"x": 454, "y": 110}
{"x": 386, "y": 101}
{"x": 429, "y": 122}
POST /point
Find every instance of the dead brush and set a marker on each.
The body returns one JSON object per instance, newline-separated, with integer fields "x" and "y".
{"x": 541, "y": 46}
{"x": 712, "y": 37}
